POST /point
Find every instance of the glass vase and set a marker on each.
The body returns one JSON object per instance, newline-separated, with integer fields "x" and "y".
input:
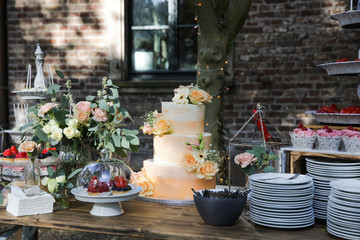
{"x": 32, "y": 177}
{"x": 61, "y": 200}
{"x": 75, "y": 159}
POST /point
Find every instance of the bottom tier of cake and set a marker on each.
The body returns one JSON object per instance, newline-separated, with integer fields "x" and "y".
{"x": 174, "y": 182}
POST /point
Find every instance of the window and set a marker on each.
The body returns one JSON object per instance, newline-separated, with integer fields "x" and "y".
{"x": 162, "y": 42}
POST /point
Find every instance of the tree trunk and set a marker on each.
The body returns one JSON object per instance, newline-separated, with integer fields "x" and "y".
{"x": 219, "y": 21}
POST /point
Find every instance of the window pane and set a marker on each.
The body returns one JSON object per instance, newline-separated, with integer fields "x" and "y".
{"x": 187, "y": 48}
{"x": 150, "y": 12}
{"x": 185, "y": 15}
{"x": 150, "y": 50}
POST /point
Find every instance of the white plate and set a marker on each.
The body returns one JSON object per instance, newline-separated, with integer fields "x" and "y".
{"x": 283, "y": 193}
{"x": 337, "y": 227}
{"x": 345, "y": 195}
{"x": 340, "y": 234}
{"x": 280, "y": 198}
{"x": 279, "y": 179}
{"x": 347, "y": 185}
{"x": 275, "y": 205}
{"x": 345, "y": 216}
{"x": 333, "y": 163}
{"x": 283, "y": 226}
{"x": 344, "y": 205}
{"x": 280, "y": 215}
{"x": 285, "y": 221}
{"x": 281, "y": 208}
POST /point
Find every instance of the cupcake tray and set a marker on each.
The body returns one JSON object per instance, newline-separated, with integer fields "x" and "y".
{"x": 337, "y": 118}
{"x": 342, "y": 68}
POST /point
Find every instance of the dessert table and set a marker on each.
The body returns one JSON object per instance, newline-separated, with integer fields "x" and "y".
{"x": 155, "y": 221}
{"x": 295, "y": 163}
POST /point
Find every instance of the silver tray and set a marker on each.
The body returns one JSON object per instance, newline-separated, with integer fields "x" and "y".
{"x": 342, "y": 68}
{"x": 32, "y": 94}
{"x": 339, "y": 118}
{"x": 348, "y": 19}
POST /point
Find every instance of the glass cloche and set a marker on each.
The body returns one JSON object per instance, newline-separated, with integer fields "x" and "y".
{"x": 106, "y": 183}
{"x": 112, "y": 172}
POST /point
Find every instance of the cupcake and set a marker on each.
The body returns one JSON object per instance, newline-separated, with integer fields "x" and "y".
{"x": 303, "y": 137}
{"x": 329, "y": 139}
{"x": 351, "y": 139}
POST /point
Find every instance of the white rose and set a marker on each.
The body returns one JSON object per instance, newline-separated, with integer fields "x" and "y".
{"x": 45, "y": 181}
{"x": 47, "y": 129}
{"x": 69, "y": 132}
{"x": 56, "y": 135}
{"x": 52, "y": 185}
{"x": 72, "y": 122}
{"x": 181, "y": 96}
{"x": 60, "y": 179}
{"x": 77, "y": 133}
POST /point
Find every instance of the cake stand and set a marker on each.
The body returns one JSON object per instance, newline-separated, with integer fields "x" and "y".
{"x": 106, "y": 205}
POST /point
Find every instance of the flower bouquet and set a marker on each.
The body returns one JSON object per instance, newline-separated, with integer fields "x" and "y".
{"x": 98, "y": 122}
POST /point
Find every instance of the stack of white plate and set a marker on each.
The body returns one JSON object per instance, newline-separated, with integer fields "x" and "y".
{"x": 323, "y": 172}
{"x": 343, "y": 218}
{"x": 276, "y": 201}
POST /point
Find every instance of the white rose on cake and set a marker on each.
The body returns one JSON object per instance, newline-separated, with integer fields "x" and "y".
{"x": 181, "y": 95}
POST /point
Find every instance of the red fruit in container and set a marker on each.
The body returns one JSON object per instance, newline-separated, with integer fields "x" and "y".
{"x": 45, "y": 151}
{"x": 7, "y": 153}
{"x": 325, "y": 127}
{"x": 304, "y": 128}
{"x": 300, "y": 125}
{"x": 14, "y": 150}
{"x": 21, "y": 155}
{"x": 329, "y": 130}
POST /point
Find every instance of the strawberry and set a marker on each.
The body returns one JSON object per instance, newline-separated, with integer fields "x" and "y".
{"x": 52, "y": 148}
{"x": 350, "y": 128}
{"x": 329, "y": 130}
{"x": 102, "y": 187}
{"x": 21, "y": 155}
{"x": 92, "y": 189}
{"x": 14, "y": 150}
{"x": 45, "y": 151}
{"x": 325, "y": 127}
{"x": 300, "y": 125}
{"x": 122, "y": 182}
{"x": 304, "y": 129}
{"x": 7, "y": 153}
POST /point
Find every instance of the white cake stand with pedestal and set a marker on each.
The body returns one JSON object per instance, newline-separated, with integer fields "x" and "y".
{"x": 105, "y": 204}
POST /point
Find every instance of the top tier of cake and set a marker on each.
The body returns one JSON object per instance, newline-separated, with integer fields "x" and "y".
{"x": 184, "y": 118}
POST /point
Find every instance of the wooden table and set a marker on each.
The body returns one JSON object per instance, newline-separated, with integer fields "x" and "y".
{"x": 153, "y": 220}
{"x": 295, "y": 160}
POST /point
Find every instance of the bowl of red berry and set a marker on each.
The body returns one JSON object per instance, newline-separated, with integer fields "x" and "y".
{"x": 106, "y": 183}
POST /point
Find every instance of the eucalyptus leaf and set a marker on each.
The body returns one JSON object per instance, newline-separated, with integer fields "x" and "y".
{"x": 60, "y": 173}
{"x": 130, "y": 132}
{"x": 125, "y": 143}
{"x": 74, "y": 173}
{"x": 22, "y": 128}
{"x": 69, "y": 185}
{"x": 64, "y": 102}
{"x": 268, "y": 169}
{"x": 51, "y": 172}
{"x": 96, "y": 128}
{"x": 54, "y": 153}
{"x": 134, "y": 148}
{"x": 114, "y": 92}
{"x": 93, "y": 105}
{"x": 110, "y": 146}
{"x": 41, "y": 135}
{"x": 103, "y": 105}
{"x": 117, "y": 140}
{"x": 33, "y": 109}
{"x": 53, "y": 89}
{"x": 90, "y": 98}
{"x": 121, "y": 152}
{"x": 60, "y": 74}
{"x": 1, "y": 199}
{"x": 112, "y": 110}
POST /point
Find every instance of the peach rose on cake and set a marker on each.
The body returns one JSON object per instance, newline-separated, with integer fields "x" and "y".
{"x": 244, "y": 159}
{"x": 207, "y": 170}
{"x": 99, "y": 115}
{"x": 199, "y": 97}
{"x": 190, "y": 162}
{"x": 148, "y": 129}
{"x": 147, "y": 186}
{"x": 162, "y": 126}
{"x": 45, "y": 108}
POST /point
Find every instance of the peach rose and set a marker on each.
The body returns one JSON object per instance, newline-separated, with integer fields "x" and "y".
{"x": 244, "y": 159}
{"x": 161, "y": 126}
{"x": 207, "y": 170}
{"x": 147, "y": 129}
{"x": 45, "y": 108}
{"x": 147, "y": 186}
{"x": 198, "y": 97}
{"x": 99, "y": 115}
{"x": 190, "y": 162}
{"x": 83, "y": 106}
{"x": 27, "y": 146}
{"x": 81, "y": 116}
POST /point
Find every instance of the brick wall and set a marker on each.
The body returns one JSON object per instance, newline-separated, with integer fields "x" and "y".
{"x": 274, "y": 58}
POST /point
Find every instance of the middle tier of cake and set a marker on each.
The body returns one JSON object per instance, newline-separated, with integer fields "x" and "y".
{"x": 171, "y": 149}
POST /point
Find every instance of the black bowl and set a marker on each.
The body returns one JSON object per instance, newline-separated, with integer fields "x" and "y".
{"x": 220, "y": 211}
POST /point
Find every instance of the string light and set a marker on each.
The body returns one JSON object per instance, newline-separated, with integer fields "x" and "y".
{"x": 226, "y": 61}
{"x": 198, "y": 4}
